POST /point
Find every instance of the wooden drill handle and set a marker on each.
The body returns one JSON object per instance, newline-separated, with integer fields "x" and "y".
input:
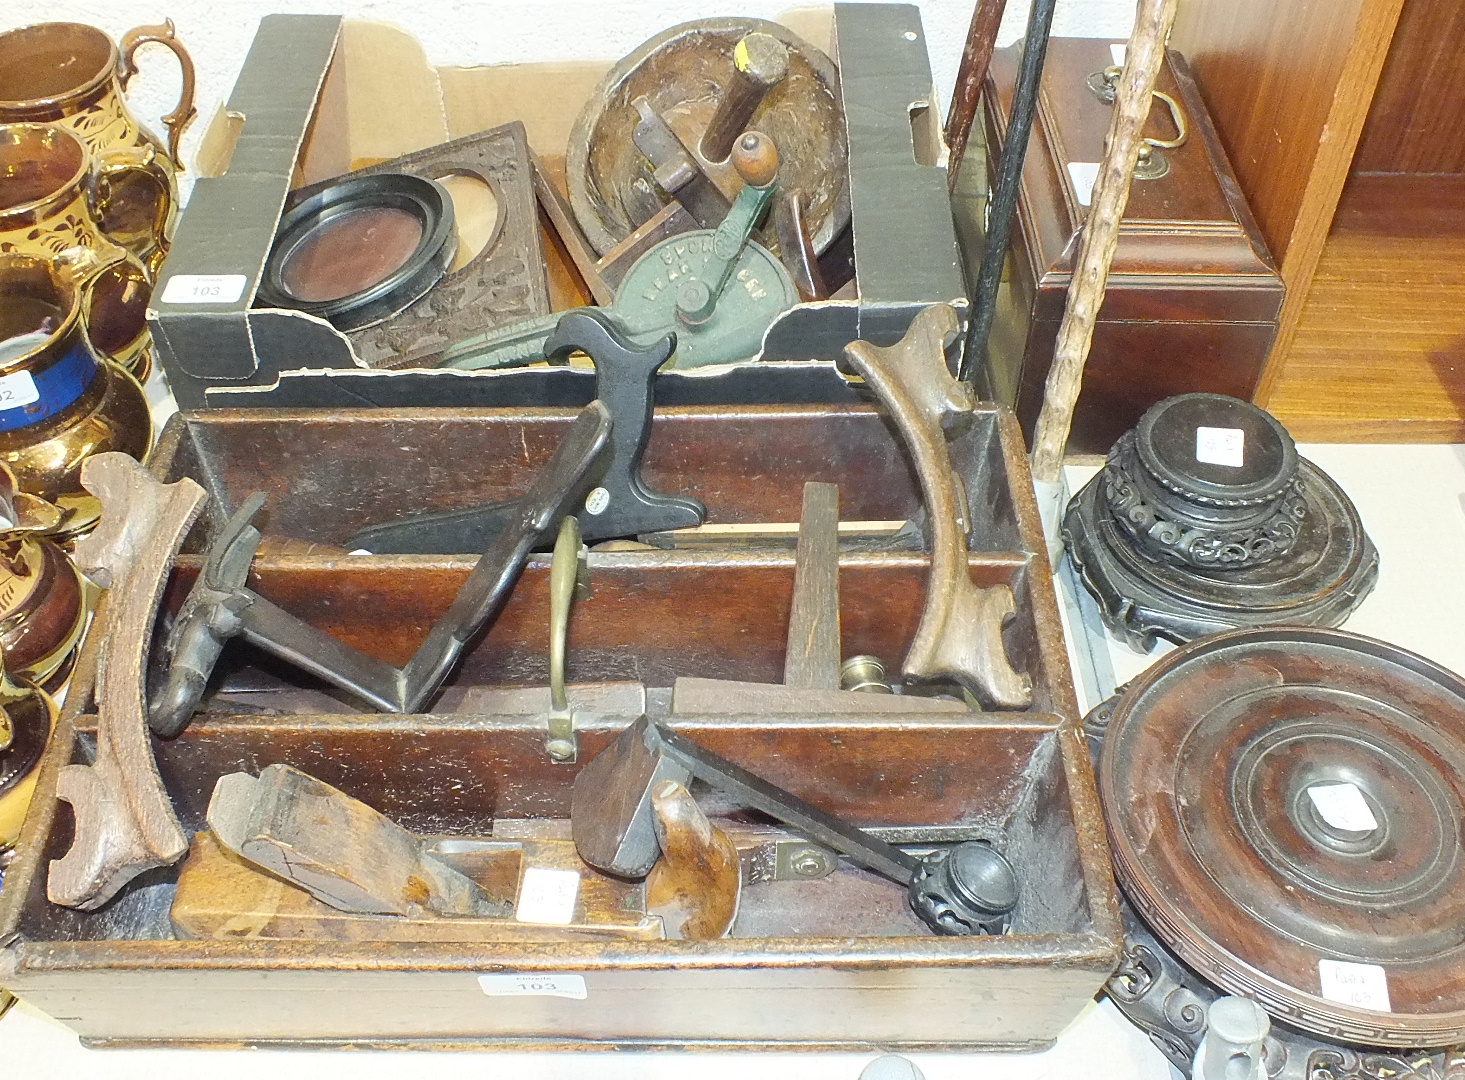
{"x": 760, "y": 62}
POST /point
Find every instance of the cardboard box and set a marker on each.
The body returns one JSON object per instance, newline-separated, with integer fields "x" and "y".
{"x": 319, "y": 95}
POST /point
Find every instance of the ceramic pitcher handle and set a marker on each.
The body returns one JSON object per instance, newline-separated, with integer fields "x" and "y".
{"x": 104, "y": 193}
{"x": 180, "y": 117}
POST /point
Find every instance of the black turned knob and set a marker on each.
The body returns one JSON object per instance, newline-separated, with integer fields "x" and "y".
{"x": 969, "y": 888}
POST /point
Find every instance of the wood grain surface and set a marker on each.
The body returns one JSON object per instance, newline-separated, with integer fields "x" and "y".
{"x": 1380, "y": 350}
{"x": 1416, "y": 124}
{"x": 1192, "y": 298}
{"x": 960, "y": 635}
{"x": 724, "y": 697}
{"x": 119, "y": 975}
{"x": 695, "y": 885}
{"x": 970, "y": 75}
{"x": 1289, "y": 87}
{"x": 695, "y": 613}
{"x": 1025, "y": 778}
{"x": 812, "y": 656}
{"x": 222, "y": 897}
{"x": 124, "y": 819}
{"x": 339, "y": 849}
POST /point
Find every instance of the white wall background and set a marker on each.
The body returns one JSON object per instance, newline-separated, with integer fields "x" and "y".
{"x": 467, "y": 32}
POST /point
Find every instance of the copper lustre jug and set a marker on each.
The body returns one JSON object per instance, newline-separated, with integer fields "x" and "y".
{"x": 74, "y": 75}
{"x": 56, "y": 197}
{"x": 27, "y": 714}
{"x": 43, "y": 597}
{"x": 60, "y": 402}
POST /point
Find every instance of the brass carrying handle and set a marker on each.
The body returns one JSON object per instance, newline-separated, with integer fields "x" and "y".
{"x": 180, "y": 117}
{"x": 1105, "y": 83}
{"x": 1177, "y": 115}
{"x": 563, "y": 572}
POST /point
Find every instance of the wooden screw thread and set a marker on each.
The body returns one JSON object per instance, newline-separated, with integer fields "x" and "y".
{"x": 1132, "y": 102}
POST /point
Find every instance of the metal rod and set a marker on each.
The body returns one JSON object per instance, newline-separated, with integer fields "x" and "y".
{"x": 1132, "y": 100}
{"x": 562, "y": 573}
{"x": 981, "y": 38}
{"x": 856, "y": 844}
{"x": 1002, "y": 208}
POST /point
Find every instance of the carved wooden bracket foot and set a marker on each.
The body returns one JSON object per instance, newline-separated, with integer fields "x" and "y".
{"x": 124, "y": 819}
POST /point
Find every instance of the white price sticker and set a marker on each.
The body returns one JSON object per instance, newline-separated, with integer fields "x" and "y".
{"x": 597, "y": 501}
{"x": 1343, "y": 807}
{"x": 204, "y": 288}
{"x": 1364, "y": 986}
{"x": 547, "y": 896}
{"x": 1117, "y": 51}
{"x": 533, "y": 985}
{"x": 17, "y": 390}
{"x": 1084, "y": 174}
{"x": 1220, "y": 446}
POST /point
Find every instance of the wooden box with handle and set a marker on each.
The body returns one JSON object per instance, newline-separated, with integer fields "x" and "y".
{"x": 1193, "y": 297}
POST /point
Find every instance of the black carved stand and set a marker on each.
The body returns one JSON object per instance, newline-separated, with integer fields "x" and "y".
{"x": 1205, "y": 518}
{"x": 1235, "y": 880}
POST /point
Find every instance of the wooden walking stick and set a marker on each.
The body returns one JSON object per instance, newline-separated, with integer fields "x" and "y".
{"x": 981, "y": 38}
{"x": 1132, "y": 100}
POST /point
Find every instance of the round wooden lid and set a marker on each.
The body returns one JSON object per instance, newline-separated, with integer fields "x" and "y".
{"x": 1285, "y": 806}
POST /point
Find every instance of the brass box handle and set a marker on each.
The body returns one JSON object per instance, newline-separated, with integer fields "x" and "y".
{"x": 1151, "y": 165}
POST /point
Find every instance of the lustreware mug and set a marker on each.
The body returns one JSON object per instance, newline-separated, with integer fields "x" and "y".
{"x": 60, "y": 402}
{"x": 55, "y": 196}
{"x": 74, "y": 75}
{"x": 43, "y": 598}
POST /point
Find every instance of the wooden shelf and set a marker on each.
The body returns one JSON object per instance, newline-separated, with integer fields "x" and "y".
{"x": 1379, "y": 351}
{"x": 1342, "y": 120}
